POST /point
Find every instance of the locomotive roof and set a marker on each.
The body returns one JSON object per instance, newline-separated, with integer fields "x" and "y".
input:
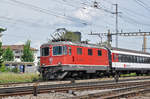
{"x": 75, "y": 43}
{"x": 128, "y": 50}
{"x": 93, "y": 46}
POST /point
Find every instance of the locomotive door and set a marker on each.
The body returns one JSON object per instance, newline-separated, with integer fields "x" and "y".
{"x": 71, "y": 57}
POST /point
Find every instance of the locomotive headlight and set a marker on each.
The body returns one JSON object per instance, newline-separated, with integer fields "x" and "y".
{"x": 59, "y": 63}
{"x": 50, "y": 60}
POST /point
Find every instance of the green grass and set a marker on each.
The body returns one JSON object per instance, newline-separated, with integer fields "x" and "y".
{"x": 17, "y": 78}
{"x": 131, "y": 74}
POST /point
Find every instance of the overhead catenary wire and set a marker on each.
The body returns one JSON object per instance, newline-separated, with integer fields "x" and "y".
{"x": 134, "y": 12}
{"x": 47, "y": 11}
{"x": 16, "y": 0}
{"x": 129, "y": 12}
{"x": 88, "y": 4}
{"x": 43, "y": 10}
{"x": 142, "y": 4}
{"x": 66, "y": 3}
{"x": 131, "y": 17}
{"x": 133, "y": 21}
{"x": 14, "y": 21}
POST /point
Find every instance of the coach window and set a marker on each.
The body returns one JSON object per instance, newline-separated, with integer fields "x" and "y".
{"x": 138, "y": 59}
{"x": 142, "y": 59}
{"x": 69, "y": 50}
{"x": 130, "y": 58}
{"x": 99, "y": 52}
{"x": 134, "y": 59}
{"x": 148, "y": 60}
{"x": 79, "y": 51}
{"x": 119, "y": 57}
{"x": 145, "y": 59}
{"x": 126, "y": 58}
{"x": 45, "y": 51}
{"x": 123, "y": 58}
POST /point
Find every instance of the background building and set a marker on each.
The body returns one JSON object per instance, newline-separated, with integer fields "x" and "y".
{"x": 18, "y": 52}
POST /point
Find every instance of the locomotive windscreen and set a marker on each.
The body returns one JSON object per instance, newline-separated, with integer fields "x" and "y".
{"x": 45, "y": 51}
{"x": 59, "y": 50}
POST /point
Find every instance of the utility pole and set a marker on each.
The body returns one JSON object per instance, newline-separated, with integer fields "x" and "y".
{"x": 144, "y": 43}
{"x": 109, "y": 38}
{"x": 116, "y": 25}
{"x": 116, "y": 13}
{"x": 95, "y": 5}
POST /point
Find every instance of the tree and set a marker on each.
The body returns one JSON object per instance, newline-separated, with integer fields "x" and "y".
{"x": 8, "y": 55}
{"x": 27, "y": 53}
{"x": 1, "y": 55}
{"x": 2, "y": 30}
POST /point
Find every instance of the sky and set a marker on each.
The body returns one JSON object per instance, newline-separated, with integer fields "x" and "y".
{"x": 37, "y": 20}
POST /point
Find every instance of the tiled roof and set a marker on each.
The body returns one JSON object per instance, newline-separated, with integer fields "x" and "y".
{"x": 17, "y": 47}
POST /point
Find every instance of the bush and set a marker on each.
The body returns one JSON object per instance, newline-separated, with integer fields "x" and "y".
{"x": 4, "y": 69}
{"x": 15, "y": 70}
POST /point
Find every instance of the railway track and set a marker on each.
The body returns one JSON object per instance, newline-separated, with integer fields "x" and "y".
{"x": 72, "y": 87}
{"x": 125, "y": 92}
{"x": 102, "y": 80}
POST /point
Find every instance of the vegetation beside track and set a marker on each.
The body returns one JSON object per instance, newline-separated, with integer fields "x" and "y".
{"x": 128, "y": 75}
{"x": 18, "y": 78}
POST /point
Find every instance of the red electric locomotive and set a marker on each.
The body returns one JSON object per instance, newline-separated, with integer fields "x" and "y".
{"x": 65, "y": 59}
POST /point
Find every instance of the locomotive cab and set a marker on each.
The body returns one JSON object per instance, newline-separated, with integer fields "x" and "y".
{"x": 54, "y": 55}
{"x": 52, "y": 59}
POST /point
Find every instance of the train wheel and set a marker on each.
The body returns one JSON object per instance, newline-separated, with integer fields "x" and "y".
{"x": 116, "y": 77}
{"x": 44, "y": 77}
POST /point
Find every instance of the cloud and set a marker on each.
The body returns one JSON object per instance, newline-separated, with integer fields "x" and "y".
{"x": 85, "y": 13}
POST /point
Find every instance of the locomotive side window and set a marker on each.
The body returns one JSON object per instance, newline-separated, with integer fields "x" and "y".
{"x": 90, "y": 52}
{"x": 79, "y": 51}
{"x": 99, "y": 52}
{"x": 69, "y": 50}
{"x": 57, "y": 50}
{"x": 45, "y": 51}
{"x": 65, "y": 50}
